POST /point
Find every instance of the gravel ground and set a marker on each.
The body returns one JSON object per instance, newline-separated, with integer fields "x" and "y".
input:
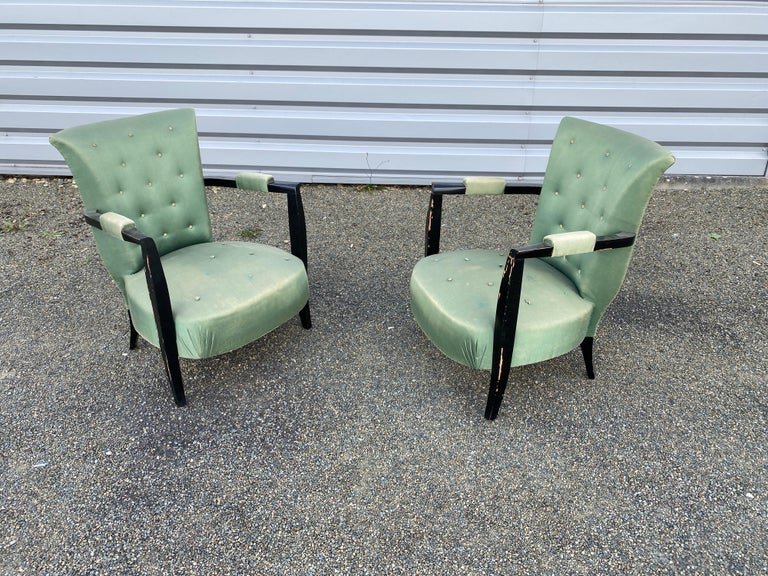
{"x": 356, "y": 447}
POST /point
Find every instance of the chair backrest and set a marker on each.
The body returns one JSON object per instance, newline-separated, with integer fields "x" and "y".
{"x": 146, "y": 168}
{"x": 599, "y": 179}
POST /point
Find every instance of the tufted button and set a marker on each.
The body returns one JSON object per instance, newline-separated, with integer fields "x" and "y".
{"x": 95, "y": 145}
{"x": 572, "y": 140}
{"x": 213, "y": 256}
{"x": 449, "y": 279}
{"x": 578, "y": 174}
{"x": 583, "y": 205}
{"x": 142, "y": 214}
{"x": 149, "y": 183}
{"x": 561, "y": 226}
{"x": 173, "y": 204}
{"x": 123, "y": 164}
{"x": 181, "y": 175}
{"x": 605, "y": 188}
{"x": 557, "y": 193}
{"x": 490, "y": 283}
{"x": 159, "y": 154}
{"x": 197, "y": 298}
{"x": 130, "y": 134}
{"x": 466, "y": 258}
{"x": 170, "y": 128}
{"x": 607, "y": 154}
{"x": 190, "y": 226}
{"x": 121, "y": 192}
{"x": 165, "y": 234}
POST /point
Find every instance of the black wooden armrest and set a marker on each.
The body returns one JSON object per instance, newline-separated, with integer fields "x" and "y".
{"x": 435, "y": 210}
{"x": 297, "y": 226}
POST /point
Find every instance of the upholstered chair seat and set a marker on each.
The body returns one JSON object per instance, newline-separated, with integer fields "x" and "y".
{"x": 265, "y": 287}
{"x": 453, "y": 299}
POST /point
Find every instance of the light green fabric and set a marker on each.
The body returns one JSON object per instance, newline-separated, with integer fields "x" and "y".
{"x": 453, "y": 299}
{"x": 264, "y": 287}
{"x": 598, "y": 179}
{"x": 476, "y": 185}
{"x": 254, "y": 181}
{"x": 569, "y": 243}
{"x": 114, "y": 224}
{"x": 146, "y": 168}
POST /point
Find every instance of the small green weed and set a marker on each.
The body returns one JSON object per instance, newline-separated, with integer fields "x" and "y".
{"x": 52, "y": 234}
{"x": 12, "y": 226}
{"x": 250, "y": 233}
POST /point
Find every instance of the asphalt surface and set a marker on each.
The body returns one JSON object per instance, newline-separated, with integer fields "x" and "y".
{"x": 356, "y": 447}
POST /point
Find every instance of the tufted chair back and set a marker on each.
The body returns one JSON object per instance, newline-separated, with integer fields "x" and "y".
{"x": 599, "y": 179}
{"x": 146, "y": 168}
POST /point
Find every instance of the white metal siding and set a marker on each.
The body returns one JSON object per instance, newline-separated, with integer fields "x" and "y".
{"x": 395, "y": 91}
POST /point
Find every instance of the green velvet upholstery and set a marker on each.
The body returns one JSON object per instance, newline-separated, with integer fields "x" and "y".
{"x": 146, "y": 170}
{"x": 265, "y": 287}
{"x": 254, "y": 181}
{"x": 484, "y": 185}
{"x": 113, "y": 224}
{"x": 598, "y": 179}
{"x": 570, "y": 243}
{"x": 453, "y": 299}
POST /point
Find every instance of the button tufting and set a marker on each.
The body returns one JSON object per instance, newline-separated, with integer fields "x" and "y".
{"x": 95, "y": 145}
{"x": 120, "y": 192}
{"x": 159, "y": 154}
{"x": 165, "y": 234}
{"x": 142, "y": 214}
{"x": 149, "y": 183}
{"x": 170, "y": 128}
{"x": 197, "y": 298}
{"x": 607, "y": 154}
{"x": 583, "y": 205}
{"x": 490, "y": 283}
{"x": 181, "y": 175}
{"x": 190, "y": 226}
{"x": 578, "y": 174}
{"x": 561, "y": 226}
{"x": 130, "y": 134}
{"x": 450, "y": 279}
{"x": 173, "y": 204}
{"x": 123, "y": 164}
{"x": 572, "y": 140}
{"x": 213, "y": 256}
{"x": 557, "y": 193}
{"x": 466, "y": 258}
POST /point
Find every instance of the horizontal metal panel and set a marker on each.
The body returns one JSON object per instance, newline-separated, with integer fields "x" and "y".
{"x": 562, "y": 93}
{"x": 427, "y": 55}
{"x": 377, "y": 163}
{"x": 457, "y": 17}
{"x": 416, "y": 125}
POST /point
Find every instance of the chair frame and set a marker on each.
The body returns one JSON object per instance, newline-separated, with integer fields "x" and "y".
{"x": 508, "y": 303}
{"x": 158, "y": 287}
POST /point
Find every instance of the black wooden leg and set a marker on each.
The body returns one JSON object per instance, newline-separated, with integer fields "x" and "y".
{"x": 306, "y": 318}
{"x": 134, "y": 335}
{"x": 499, "y": 378}
{"x": 586, "y": 350}
{"x": 173, "y": 371}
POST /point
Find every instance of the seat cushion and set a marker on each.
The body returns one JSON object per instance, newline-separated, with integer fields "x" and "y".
{"x": 223, "y": 294}
{"x": 453, "y": 298}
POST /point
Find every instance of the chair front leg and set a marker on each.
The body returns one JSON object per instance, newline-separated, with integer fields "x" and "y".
{"x": 133, "y": 334}
{"x": 504, "y": 329}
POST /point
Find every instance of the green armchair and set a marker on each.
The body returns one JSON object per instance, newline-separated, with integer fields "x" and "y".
{"x": 142, "y": 185}
{"x": 493, "y": 311}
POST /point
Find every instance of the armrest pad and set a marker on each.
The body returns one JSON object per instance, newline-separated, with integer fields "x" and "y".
{"x": 568, "y": 243}
{"x": 484, "y": 185}
{"x": 113, "y": 224}
{"x": 254, "y": 181}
